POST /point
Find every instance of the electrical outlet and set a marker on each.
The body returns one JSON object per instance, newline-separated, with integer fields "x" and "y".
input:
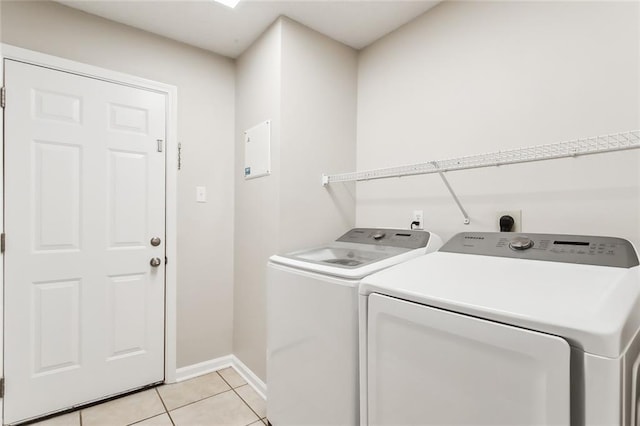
{"x": 418, "y": 216}
{"x": 517, "y": 218}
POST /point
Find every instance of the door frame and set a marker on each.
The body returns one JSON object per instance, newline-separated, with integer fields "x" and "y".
{"x": 171, "y": 167}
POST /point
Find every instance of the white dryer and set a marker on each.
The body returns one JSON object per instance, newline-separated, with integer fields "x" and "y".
{"x": 312, "y": 322}
{"x": 504, "y": 329}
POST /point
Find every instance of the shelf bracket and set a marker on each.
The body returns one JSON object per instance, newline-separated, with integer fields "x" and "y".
{"x": 453, "y": 194}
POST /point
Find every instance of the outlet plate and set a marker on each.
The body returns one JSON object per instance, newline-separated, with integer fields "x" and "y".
{"x": 515, "y": 214}
{"x": 201, "y": 194}
{"x": 418, "y": 216}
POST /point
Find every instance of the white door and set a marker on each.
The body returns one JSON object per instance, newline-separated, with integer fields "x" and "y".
{"x": 427, "y": 366}
{"x": 84, "y": 195}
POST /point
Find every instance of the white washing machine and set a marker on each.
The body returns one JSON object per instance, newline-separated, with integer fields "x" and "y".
{"x": 312, "y": 322}
{"x": 504, "y": 329}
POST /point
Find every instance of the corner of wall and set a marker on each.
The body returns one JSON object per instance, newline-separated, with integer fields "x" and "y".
{"x": 256, "y": 233}
{"x": 305, "y": 83}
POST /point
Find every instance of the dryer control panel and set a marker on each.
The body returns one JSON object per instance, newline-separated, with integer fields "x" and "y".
{"x": 580, "y": 249}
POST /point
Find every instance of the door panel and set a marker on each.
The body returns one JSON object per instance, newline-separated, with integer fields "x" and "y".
{"x": 127, "y": 203}
{"x": 57, "y": 197}
{"x": 56, "y": 106}
{"x": 84, "y": 194}
{"x": 56, "y": 326}
{"x": 127, "y": 294}
{"x": 427, "y": 366}
{"x": 126, "y": 118}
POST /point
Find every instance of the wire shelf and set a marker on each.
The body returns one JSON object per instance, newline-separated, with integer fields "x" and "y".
{"x": 588, "y": 146}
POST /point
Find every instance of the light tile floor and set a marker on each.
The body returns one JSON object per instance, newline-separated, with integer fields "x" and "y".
{"x": 215, "y": 399}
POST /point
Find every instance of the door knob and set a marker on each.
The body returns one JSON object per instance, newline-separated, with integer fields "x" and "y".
{"x": 155, "y": 241}
{"x": 155, "y": 262}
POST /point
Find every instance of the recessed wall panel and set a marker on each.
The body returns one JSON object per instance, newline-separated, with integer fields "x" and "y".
{"x": 128, "y": 119}
{"x": 56, "y": 318}
{"x": 127, "y": 199}
{"x": 56, "y": 106}
{"x": 128, "y": 308}
{"x": 57, "y": 196}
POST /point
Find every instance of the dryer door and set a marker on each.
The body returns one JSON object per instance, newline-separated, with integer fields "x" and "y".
{"x": 432, "y": 367}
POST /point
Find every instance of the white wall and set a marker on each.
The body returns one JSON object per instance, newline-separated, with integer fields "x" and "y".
{"x": 306, "y": 84}
{"x": 319, "y": 85}
{"x": 474, "y": 77}
{"x": 257, "y": 201}
{"x": 205, "y": 85}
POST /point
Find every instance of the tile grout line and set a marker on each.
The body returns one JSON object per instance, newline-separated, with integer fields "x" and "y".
{"x": 231, "y": 388}
{"x": 247, "y": 404}
{"x": 168, "y": 412}
{"x": 155, "y": 415}
{"x": 201, "y": 399}
{"x": 223, "y": 379}
{"x": 241, "y": 399}
{"x": 165, "y": 407}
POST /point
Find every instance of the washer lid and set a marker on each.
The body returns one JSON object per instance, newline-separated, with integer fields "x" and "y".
{"x": 596, "y": 308}
{"x": 346, "y": 260}
{"x": 362, "y": 251}
{"x": 346, "y": 255}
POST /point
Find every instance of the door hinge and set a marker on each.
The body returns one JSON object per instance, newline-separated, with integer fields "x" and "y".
{"x": 2, "y": 243}
{"x": 3, "y": 97}
{"x": 2, "y": 387}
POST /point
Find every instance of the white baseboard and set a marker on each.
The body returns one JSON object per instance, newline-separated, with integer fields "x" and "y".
{"x": 195, "y": 370}
{"x": 206, "y": 367}
{"x": 254, "y": 381}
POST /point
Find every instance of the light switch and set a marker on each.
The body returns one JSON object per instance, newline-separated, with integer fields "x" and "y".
{"x": 201, "y": 194}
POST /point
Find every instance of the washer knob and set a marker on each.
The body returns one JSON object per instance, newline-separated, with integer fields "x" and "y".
{"x": 378, "y": 235}
{"x": 521, "y": 243}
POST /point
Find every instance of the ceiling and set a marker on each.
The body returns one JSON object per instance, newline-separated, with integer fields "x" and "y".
{"x": 220, "y": 29}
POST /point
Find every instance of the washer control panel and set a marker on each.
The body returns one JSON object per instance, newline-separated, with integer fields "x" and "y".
{"x": 404, "y": 238}
{"x": 581, "y": 249}
{"x": 521, "y": 243}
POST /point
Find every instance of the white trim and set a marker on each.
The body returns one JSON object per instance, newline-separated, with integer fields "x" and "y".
{"x": 201, "y": 368}
{"x": 171, "y": 92}
{"x": 206, "y": 367}
{"x": 171, "y": 237}
{"x": 73, "y": 67}
{"x": 2, "y": 230}
{"x": 254, "y": 381}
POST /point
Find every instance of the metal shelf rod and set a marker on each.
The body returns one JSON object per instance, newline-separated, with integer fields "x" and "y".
{"x": 574, "y": 148}
{"x": 455, "y": 198}
{"x": 588, "y": 146}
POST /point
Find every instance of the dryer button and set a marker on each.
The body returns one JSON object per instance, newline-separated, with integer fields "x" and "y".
{"x": 521, "y": 243}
